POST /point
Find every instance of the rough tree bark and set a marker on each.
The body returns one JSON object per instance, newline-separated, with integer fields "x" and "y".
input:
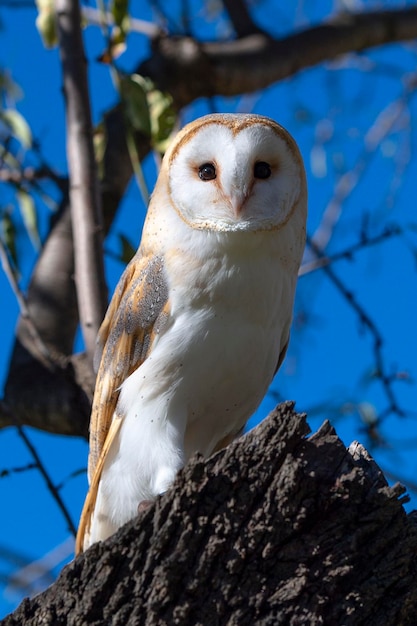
{"x": 275, "y": 529}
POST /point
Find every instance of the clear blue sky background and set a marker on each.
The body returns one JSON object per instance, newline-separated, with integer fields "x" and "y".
{"x": 329, "y": 110}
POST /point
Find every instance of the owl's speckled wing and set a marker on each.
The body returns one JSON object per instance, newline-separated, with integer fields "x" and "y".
{"x": 135, "y": 316}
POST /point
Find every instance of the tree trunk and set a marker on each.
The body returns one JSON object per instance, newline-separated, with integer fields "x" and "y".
{"x": 275, "y": 529}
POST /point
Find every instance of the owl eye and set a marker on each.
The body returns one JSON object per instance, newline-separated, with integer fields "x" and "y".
{"x": 262, "y": 170}
{"x": 207, "y": 171}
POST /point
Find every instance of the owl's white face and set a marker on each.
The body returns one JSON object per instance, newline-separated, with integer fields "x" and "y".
{"x": 234, "y": 173}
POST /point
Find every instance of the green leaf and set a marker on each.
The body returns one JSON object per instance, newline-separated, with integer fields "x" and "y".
{"x": 18, "y": 126}
{"x": 120, "y": 12}
{"x": 133, "y": 90}
{"x": 46, "y": 22}
{"x": 149, "y": 110}
{"x": 163, "y": 118}
{"x": 9, "y": 236}
{"x": 30, "y": 219}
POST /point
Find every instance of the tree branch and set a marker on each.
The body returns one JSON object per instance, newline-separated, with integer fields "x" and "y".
{"x": 54, "y": 393}
{"x": 363, "y": 243}
{"x": 84, "y": 196}
{"x": 59, "y": 401}
{"x": 275, "y": 529}
{"x": 190, "y": 70}
{"x": 95, "y": 16}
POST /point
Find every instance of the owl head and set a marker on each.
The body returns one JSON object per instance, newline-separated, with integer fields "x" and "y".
{"x": 235, "y": 172}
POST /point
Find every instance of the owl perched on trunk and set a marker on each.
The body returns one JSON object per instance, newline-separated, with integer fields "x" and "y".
{"x": 200, "y": 320}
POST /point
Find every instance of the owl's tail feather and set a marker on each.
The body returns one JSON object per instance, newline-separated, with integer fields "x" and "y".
{"x": 83, "y": 539}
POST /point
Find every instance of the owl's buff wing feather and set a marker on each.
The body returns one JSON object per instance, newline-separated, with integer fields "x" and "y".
{"x": 125, "y": 338}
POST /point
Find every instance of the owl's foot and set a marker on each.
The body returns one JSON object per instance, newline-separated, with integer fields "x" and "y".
{"x": 144, "y": 505}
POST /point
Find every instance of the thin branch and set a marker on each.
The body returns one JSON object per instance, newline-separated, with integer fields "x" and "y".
{"x": 385, "y": 378}
{"x": 84, "y": 192}
{"x": 28, "y": 179}
{"x": 24, "y": 311}
{"x": 29, "y": 175}
{"x": 51, "y": 487}
{"x": 35, "y": 576}
{"x": 95, "y": 16}
{"x": 379, "y": 130}
{"x": 240, "y": 17}
{"x": 8, "y": 270}
{"x": 347, "y": 254}
{"x": 165, "y": 18}
{"x": 17, "y": 470}
{"x": 74, "y": 474}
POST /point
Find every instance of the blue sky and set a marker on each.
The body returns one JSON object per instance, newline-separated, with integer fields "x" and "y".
{"x": 328, "y": 370}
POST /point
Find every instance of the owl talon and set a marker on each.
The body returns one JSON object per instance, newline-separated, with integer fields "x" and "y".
{"x": 144, "y": 506}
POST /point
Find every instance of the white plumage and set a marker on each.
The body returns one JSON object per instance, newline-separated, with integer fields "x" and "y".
{"x": 201, "y": 318}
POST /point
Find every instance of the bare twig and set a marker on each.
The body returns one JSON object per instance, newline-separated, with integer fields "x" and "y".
{"x": 51, "y": 487}
{"x": 240, "y": 17}
{"x": 364, "y": 318}
{"x": 17, "y": 470}
{"x": 348, "y": 253}
{"x": 8, "y": 270}
{"x": 29, "y": 175}
{"x": 94, "y": 16}
{"x": 34, "y": 576}
{"x": 382, "y": 126}
{"x": 29, "y": 179}
{"x": 84, "y": 193}
{"x": 74, "y": 474}
{"x": 24, "y": 311}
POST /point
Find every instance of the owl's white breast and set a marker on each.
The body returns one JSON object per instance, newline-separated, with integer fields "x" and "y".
{"x": 208, "y": 370}
{"x": 232, "y": 317}
{"x": 211, "y": 366}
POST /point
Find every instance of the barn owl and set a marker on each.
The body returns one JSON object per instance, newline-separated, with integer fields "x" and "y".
{"x": 200, "y": 320}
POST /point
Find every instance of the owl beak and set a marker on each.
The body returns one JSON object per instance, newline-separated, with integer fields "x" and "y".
{"x": 237, "y": 202}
